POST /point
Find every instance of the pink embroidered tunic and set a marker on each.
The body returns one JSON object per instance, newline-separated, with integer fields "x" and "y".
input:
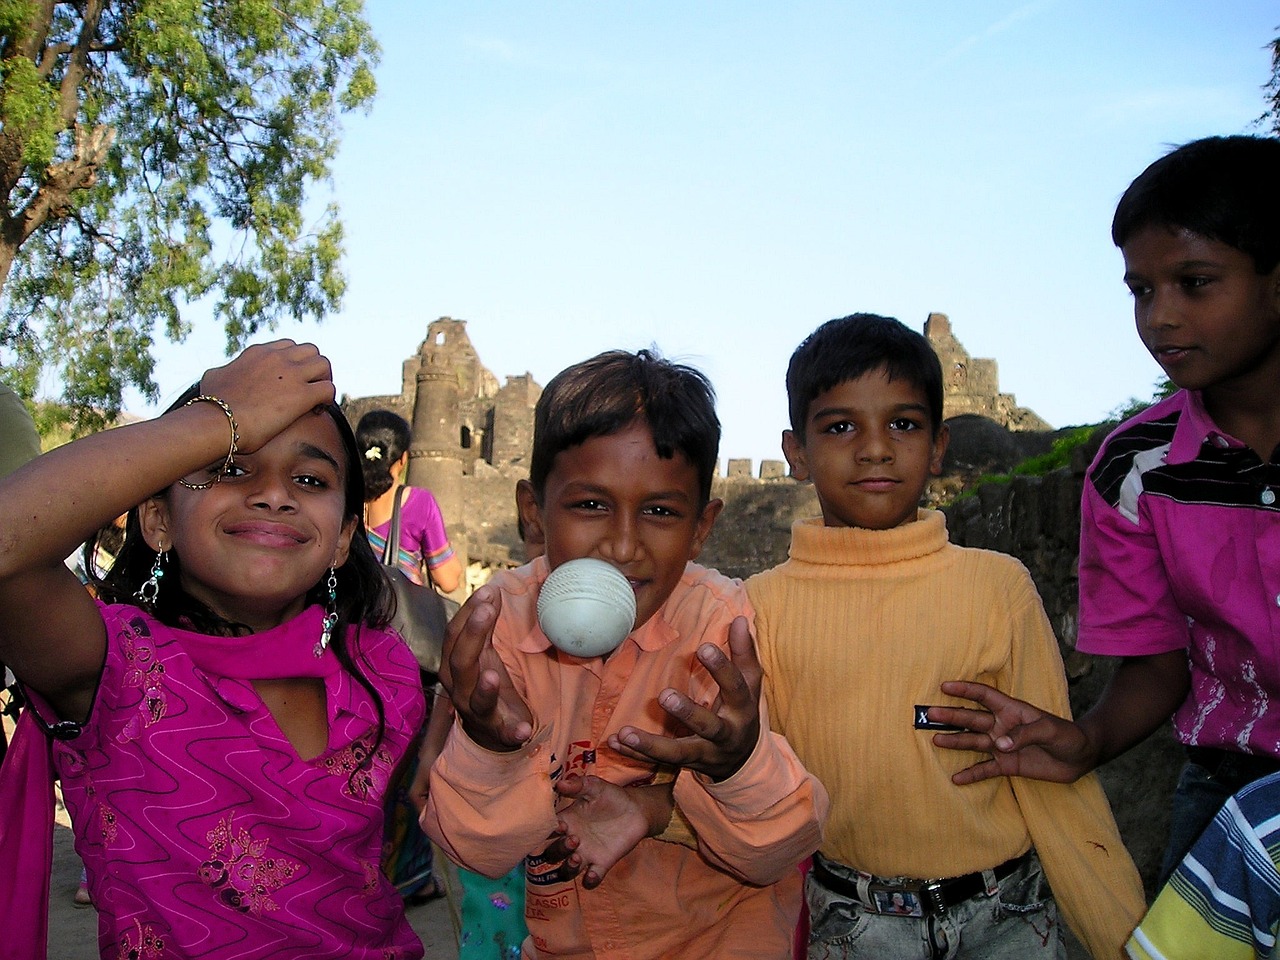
{"x": 204, "y": 833}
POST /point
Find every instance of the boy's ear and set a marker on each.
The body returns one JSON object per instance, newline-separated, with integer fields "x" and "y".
{"x": 153, "y": 520}
{"x": 939, "y": 450}
{"x": 793, "y": 450}
{"x": 535, "y": 535}
{"x": 706, "y": 520}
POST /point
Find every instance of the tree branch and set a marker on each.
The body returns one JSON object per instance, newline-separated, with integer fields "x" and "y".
{"x": 53, "y": 197}
{"x": 37, "y": 32}
{"x": 69, "y": 91}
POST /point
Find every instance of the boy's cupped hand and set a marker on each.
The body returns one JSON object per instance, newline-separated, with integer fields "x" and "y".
{"x": 723, "y": 736}
{"x": 269, "y": 386}
{"x": 492, "y": 713}
{"x": 1022, "y": 739}
{"x": 603, "y": 824}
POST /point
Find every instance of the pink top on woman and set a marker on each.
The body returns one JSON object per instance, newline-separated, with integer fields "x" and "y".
{"x": 203, "y": 831}
{"x": 422, "y": 535}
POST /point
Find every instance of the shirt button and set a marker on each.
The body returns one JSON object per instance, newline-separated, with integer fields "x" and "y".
{"x": 1278, "y": 599}
{"x": 1268, "y": 497}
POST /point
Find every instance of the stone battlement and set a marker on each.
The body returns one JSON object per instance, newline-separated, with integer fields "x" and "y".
{"x": 472, "y": 436}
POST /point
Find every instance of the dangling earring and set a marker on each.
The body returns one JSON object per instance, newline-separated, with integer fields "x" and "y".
{"x": 150, "y": 588}
{"x": 330, "y": 615}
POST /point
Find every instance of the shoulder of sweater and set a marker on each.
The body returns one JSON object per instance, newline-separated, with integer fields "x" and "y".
{"x": 995, "y": 559}
{"x": 1006, "y": 574}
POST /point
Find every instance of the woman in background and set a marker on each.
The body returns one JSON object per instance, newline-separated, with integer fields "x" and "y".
{"x": 424, "y": 554}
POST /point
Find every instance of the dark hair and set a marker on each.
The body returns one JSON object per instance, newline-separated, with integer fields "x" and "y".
{"x": 609, "y": 392}
{"x": 388, "y": 434}
{"x": 845, "y": 349}
{"x": 1223, "y": 188}
{"x": 363, "y": 594}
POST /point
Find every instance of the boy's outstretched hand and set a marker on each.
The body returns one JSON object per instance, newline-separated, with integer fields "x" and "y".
{"x": 492, "y": 712}
{"x": 1023, "y": 740}
{"x": 724, "y": 736}
{"x": 604, "y": 823}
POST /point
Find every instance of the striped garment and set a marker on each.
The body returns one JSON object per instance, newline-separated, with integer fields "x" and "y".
{"x": 1223, "y": 901}
{"x": 1180, "y": 550}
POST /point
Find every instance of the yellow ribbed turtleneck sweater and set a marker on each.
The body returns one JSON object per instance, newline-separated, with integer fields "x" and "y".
{"x": 855, "y": 629}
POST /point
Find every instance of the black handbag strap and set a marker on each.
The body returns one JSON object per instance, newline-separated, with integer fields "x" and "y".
{"x": 391, "y": 549}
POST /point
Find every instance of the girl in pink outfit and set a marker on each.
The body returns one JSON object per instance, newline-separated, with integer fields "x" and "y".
{"x": 226, "y": 716}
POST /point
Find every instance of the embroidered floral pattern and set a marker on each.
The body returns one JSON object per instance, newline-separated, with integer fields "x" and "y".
{"x": 363, "y": 774}
{"x": 371, "y": 873}
{"x": 242, "y": 870}
{"x": 143, "y": 671}
{"x": 107, "y": 823}
{"x": 149, "y": 945}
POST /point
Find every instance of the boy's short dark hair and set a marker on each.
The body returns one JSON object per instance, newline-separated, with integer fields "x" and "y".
{"x": 1223, "y": 188}
{"x": 851, "y": 346}
{"x": 606, "y": 394}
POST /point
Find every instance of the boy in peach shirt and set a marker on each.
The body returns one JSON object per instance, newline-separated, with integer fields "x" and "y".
{"x": 625, "y": 446}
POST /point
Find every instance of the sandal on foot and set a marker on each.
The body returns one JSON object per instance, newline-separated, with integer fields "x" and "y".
{"x": 432, "y": 892}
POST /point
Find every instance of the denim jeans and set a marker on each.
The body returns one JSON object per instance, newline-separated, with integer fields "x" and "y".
{"x": 1020, "y": 920}
{"x": 1196, "y": 801}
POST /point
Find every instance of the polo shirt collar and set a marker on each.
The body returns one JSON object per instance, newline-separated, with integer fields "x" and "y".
{"x": 1195, "y": 428}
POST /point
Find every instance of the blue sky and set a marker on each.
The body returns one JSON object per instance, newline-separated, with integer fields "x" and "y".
{"x": 719, "y": 178}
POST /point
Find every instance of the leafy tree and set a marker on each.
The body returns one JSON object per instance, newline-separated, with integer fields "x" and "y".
{"x": 153, "y": 152}
{"x": 1273, "y": 89}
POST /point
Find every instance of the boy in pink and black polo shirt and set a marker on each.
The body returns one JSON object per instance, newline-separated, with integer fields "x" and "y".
{"x": 1180, "y": 531}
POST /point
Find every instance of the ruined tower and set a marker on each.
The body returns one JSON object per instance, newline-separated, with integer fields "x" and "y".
{"x": 433, "y": 451}
{"x": 972, "y": 384}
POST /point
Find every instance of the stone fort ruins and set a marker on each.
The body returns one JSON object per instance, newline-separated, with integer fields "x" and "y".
{"x": 471, "y": 441}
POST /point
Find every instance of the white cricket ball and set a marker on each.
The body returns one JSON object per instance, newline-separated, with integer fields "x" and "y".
{"x": 586, "y": 607}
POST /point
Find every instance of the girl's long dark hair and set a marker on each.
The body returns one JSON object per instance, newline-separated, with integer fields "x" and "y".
{"x": 364, "y": 598}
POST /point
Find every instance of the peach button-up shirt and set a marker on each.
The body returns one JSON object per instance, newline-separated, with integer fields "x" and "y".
{"x": 736, "y": 896}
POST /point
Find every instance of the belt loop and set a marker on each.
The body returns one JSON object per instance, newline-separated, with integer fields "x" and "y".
{"x": 864, "y": 891}
{"x": 993, "y": 885}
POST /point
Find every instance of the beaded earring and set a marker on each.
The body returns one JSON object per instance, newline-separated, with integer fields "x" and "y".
{"x": 150, "y": 588}
{"x": 330, "y": 615}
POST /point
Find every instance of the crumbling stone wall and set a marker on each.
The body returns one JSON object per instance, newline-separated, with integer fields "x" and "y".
{"x": 972, "y": 384}
{"x": 754, "y": 528}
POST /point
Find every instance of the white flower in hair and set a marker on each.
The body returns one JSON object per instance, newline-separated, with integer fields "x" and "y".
{"x": 373, "y": 453}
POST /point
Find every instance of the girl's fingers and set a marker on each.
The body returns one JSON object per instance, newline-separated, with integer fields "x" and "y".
{"x": 269, "y": 386}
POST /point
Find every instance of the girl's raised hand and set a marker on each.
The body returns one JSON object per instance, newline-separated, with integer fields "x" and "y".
{"x": 269, "y": 386}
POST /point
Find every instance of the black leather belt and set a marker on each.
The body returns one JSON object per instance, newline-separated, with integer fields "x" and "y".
{"x": 912, "y": 898}
{"x": 1233, "y": 770}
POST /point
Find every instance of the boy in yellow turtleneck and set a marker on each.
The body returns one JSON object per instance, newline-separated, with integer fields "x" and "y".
{"x": 873, "y": 610}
